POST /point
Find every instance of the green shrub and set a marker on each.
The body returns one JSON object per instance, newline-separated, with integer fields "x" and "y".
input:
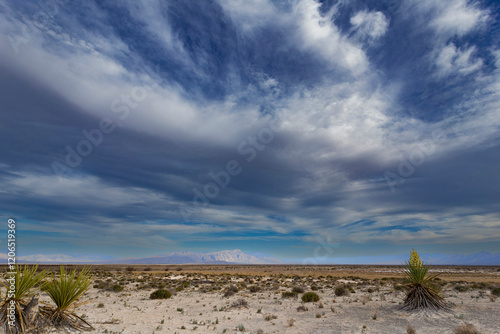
{"x": 461, "y": 288}
{"x": 298, "y": 289}
{"x": 340, "y": 291}
{"x": 310, "y": 297}
{"x": 495, "y": 291}
{"x": 116, "y": 288}
{"x": 288, "y": 294}
{"x": 160, "y": 294}
{"x": 254, "y": 288}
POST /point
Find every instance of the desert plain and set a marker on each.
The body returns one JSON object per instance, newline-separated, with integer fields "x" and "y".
{"x": 268, "y": 299}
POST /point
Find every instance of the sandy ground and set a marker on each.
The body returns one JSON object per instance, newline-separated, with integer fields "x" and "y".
{"x": 372, "y": 306}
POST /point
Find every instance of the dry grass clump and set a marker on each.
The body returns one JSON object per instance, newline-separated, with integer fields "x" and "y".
{"x": 465, "y": 328}
{"x": 288, "y": 294}
{"x": 254, "y": 288}
{"x": 240, "y": 303}
{"x": 302, "y": 308}
{"x": 421, "y": 294}
{"x": 230, "y": 291}
{"x": 340, "y": 291}
{"x": 410, "y": 330}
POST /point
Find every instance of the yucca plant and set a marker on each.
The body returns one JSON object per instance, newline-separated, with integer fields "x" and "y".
{"x": 421, "y": 294}
{"x": 65, "y": 293}
{"x": 26, "y": 284}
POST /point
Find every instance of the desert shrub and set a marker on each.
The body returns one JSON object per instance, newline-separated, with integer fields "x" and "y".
{"x": 288, "y": 294}
{"x": 254, "y": 288}
{"x": 270, "y": 317}
{"x": 147, "y": 269}
{"x": 465, "y": 328}
{"x": 230, "y": 291}
{"x": 495, "y": 291}
{"x": 420, "y": 293}
{"x": 298, "y": 289}
{"x": 410, "y": 330}
{"x": 340, "y": 291}
{"x": 116, "y": 288}
{"x": 461, "y": 288}
{"x": 130, "y": 269}
{"x": 310, "y": 297}
{"x": 314, "y": 288}
{"x": 302, "y": 308}
{"x": 240, "y": 303}
{"x": 160, "y": 294}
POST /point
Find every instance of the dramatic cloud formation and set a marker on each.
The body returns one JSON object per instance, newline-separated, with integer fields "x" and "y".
{"x": 137, "y": 128}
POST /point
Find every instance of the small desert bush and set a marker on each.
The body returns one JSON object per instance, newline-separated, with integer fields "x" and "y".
{"x": 230, "y": 291}
{"x": 270, "y": 317}
{"x": 240, "y": 303}
{"x": 410, "y": 330}
{"x": 130, "y": 269}
{"x": 495, "y": 291}
{"x": 298, "y": 289}
{"x": 465, "y": 328}
{"x": 254, "y": 288}
{"x": 160, "y": 294}
{"x": 116, "y": 288}
{"x": 461, "y": 288}
{"x": 288, "y": 294}
{"x": 310, "y": 297}
{"x": 302, "y": 308}
{"x": 340, "y": 291}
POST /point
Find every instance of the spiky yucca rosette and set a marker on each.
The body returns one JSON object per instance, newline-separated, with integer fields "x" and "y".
{"x": 65, "y": 293}
{"x": 421, "y": 295}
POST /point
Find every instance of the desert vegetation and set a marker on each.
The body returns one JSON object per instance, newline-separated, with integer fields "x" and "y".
{"x": 265, "y": 299}
{"x": 421, "y": 293}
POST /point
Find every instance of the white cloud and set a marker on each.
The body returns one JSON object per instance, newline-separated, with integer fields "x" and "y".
{"x": 451, "y": 60}
{"x": 319, "y": 33}
{"x": 452, "y": 17}
{"x": 369, "y": 24}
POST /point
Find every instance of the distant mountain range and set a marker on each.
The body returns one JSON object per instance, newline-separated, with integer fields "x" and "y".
{"x": 236, "y": 256}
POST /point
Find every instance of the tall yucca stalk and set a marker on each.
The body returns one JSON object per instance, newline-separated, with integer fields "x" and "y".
{"x": 26, "y": 283}
{"x": 65, "y": 292}
{"x": 421, "y": 295}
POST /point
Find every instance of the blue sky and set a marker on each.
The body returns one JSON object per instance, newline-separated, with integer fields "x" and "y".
{"x": 137, "y": 128}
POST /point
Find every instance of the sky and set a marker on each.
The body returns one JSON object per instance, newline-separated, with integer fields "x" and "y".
{"x": 299, "y": 129}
